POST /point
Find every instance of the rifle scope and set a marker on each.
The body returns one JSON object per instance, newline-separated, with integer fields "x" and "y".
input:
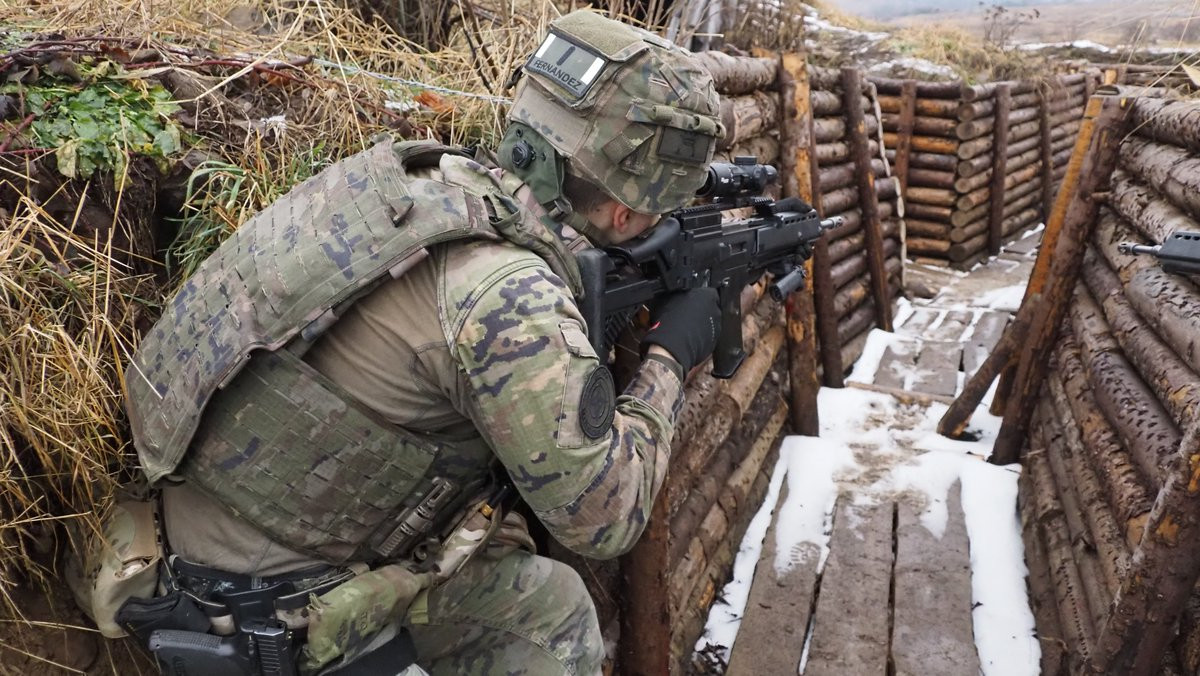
{"x": 744, "y": 178}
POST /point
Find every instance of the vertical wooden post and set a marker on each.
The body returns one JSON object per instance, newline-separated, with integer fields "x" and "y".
{"x": 908, "y": 115}
{"x": 1076, "y": 210}
{"x": 1045, "y": 97}
{"x": 1163, "y": 571}
{"x": 795, "y": 160}
{"x": 999, "y": 168}
{"x": 822, "y": 279}
{"x": 868, "y": 200}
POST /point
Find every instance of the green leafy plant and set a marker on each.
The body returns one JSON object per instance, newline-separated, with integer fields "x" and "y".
{"x": 96, "y": 124}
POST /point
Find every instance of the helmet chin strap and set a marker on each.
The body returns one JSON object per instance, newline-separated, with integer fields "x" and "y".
{"x": 525, "y": 153}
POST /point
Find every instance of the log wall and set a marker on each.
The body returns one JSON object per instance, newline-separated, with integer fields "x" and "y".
{"x": 1109, "y": 569}
{"x": 858, "y": 275}
{"x": 978, "y": 164}
{"x": 827, "y": 148}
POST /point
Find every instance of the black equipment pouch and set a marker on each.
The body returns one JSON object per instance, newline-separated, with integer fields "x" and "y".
{"x": 173, "y": 611}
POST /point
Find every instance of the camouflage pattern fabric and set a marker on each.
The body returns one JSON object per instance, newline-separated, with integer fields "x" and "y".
{"x": 521, "y": 614}
{"x": 519, "y": 340}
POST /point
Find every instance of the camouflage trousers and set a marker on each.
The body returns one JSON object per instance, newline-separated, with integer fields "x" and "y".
{"x": 521, "y": 614}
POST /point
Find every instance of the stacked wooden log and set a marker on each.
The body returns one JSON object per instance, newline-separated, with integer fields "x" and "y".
{"x": 1170, "y": 76}
{"x": 857, "y": 269}
{"x": 1108, "y": 435}
{"x": 825, "y": 142}
{"x": 978, "y": 164}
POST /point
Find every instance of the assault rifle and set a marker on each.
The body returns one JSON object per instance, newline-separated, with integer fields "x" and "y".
{"x": 692, "y": 247}
{"x": 1179, "y": 254}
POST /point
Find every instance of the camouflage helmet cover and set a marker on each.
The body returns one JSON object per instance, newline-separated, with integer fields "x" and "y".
{"x": 633, "y": 113}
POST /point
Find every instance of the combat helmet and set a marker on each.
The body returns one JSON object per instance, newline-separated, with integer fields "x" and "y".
{"x": 631, "y": 112}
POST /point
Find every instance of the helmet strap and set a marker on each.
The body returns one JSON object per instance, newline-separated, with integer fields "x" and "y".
{"x": 527, "y": 154}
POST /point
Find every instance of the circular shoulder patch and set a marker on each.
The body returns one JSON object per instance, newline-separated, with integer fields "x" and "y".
{"x": 597, "y": 403}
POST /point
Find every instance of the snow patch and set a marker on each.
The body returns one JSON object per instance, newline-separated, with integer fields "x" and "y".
{"x": 1007, "y": 298}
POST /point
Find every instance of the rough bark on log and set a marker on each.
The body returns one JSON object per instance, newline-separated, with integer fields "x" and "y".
{"x": 825, "y": 103}
{"x": 1077, "y": 626}
{"x": 1020, "y": 132}
{"x": 1169, "y": 169}
{"x": 919, "y": 228}
{"x": 935, "y": 196}
{"x": 1169, "y": 304}
{"x": 1144, "y": 427}
{"x": 974, "y": 147}
{"x": 1165, "y": 569}
{"x": 928, "y": 246}
{"x": 981, "y": 196}
{"x": 998, "y": 184}
{"x": 965, "y": 131}
{"x": 975, "y": 109}
{"x": 925, "y": 90}
{"x": 1127, "y": 493}
{"x": 930, "y": 178}
{"x": 1174, "y": 384}
{"x": 829, "y": 129}
{"x": 930, "y": 126}
{"x": 800, "y": 308}
{"x": 765, "y": 149}
{"x": 1106, "y": 535}
{"x": 1097, "y": 156}
{"x": 962, "y": 218}
{"x": 825, "y": 79}
{"x": 850, "y": 297}
{"x": 1041, "y": 592}
{"x": 1146, "y": 209}
{"x": 927, "y": 212}
{"x": 924, "y": 144}
{"x": 839, "y": 176}
{"x": 715, "y": 477}
{"x": 941, "y": 162}
{"x": 924, "y": 106}
{"x": 838, "y": 152}
{"x": 1165, "y": 121}
{"x": 844, "y": 247}
{"x": 1060, "y": 131}
{"x": 748, "y": 116}
{"x": 735, "y": 75}
{"x": 1048, "y": 437}
{"x": 861, "y": 319}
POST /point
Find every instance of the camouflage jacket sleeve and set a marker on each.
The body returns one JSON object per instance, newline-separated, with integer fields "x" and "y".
{"x": 590, "y": 473}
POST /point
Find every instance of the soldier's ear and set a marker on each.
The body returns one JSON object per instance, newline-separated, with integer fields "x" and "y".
{"x": 622, "y": 220}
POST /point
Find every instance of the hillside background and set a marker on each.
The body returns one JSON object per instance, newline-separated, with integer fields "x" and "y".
{"x": 1168, "y": 23}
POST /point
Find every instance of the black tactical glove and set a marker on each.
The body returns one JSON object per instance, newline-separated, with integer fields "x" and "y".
{"x": 686, "y": 324}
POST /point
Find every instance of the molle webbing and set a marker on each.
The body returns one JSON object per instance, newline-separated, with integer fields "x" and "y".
{"x": 288, "y": 269}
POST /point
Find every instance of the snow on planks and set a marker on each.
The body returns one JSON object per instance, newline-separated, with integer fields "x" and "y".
{"x": 891, "y": 593}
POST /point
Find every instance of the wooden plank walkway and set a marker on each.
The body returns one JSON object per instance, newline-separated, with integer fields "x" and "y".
{"x": 893, "y": 597}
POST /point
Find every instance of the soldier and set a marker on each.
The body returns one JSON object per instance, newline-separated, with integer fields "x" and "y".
{"x": 355, "y": 378}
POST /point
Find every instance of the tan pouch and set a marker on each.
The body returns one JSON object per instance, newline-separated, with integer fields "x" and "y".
{"x": 118, "y": 564}
{"x": 342, "y": 621}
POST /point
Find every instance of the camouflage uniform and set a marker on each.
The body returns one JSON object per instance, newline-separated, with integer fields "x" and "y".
{"x": 474, "y": 352}
{"x": 512, "y": 371}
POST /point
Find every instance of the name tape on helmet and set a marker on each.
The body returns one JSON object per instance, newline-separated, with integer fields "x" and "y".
{"x": 572, "y": 67}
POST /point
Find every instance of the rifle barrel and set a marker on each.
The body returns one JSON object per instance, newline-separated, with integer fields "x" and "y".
{"x": 1131, "y": 248}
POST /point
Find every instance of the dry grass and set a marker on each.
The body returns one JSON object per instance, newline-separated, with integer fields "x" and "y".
{"x": 971, "y": 58}
{"x": 68, "y": 318}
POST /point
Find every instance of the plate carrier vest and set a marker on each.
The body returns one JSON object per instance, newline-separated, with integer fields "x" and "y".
{"x": 219, "y": 379}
